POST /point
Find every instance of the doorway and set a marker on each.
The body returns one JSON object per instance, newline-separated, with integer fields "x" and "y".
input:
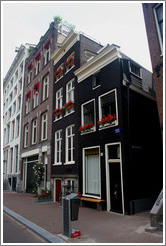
{"x": 57, "y": 189}
{"x": 114, "y": 178}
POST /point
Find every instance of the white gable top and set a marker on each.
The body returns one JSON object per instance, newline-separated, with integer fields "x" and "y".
{"x": 69, "y": 41}
{"x": 106, "y": 56}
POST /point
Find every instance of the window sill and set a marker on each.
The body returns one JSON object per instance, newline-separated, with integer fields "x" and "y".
{"x": 108, "y": 126}
{"x": 69, "y": 69}
{"x": 57, "y": 164}
{"x": 88, "y": 131}
{"x": 69, "y": 163}
{"x": 69, "y": 113}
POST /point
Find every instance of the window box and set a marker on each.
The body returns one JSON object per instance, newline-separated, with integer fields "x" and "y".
{"x": 57, "y": 111}
{"x": 87, "y": 127}
{"x": 68, "y": 105}
{"x": 107, "y": 121}
{"x": 69, "y": 62}
{"x": 59, "y": 73}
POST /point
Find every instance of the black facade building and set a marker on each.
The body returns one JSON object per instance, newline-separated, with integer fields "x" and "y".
{"x": 74, "y": 51}
{"x": 119, "y": 146}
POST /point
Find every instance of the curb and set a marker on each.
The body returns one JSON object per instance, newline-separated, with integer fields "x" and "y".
{"x": 35, "y": 228}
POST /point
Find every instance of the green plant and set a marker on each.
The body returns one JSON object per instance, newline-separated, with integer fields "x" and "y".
{"x": 44, "y": 195}
{"x": 38, "y": 174}
{"x": 57, "y": 18}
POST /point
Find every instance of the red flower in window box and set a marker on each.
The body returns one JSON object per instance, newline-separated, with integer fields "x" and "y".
{"x": 85, "y": 127}
{"x": 28, "y": 96}
{"x": 107, "y": 119}
{"x": 57, "y": 111}
{"x": 59, "y": 72}
{"x": 69, "y": 62}
{"x": 68, "y": 105}
{"x": 36, "y": 87}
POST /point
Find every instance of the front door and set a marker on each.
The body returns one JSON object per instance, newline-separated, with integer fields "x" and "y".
{"x": 57, "y": 189}
{"x": 114, "y": 178}
{"x": 30, "y": 178}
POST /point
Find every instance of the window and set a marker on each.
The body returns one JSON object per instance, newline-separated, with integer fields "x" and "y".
{"x": 136, "y": 70}
{"x": 8, "y": 133}
{"x": 35, "y": 99}
{"x": 59, "y": 72}
{"x": 108, "y": 109}
{"x": 96, "y": 80}
{"x": 27, "y": 106}
{"x": 21, "y": 68}
{"x": 11, "y": 160}
{"x": 16, "y": 158}
{"x": 158, "y": 11}
{"x": 10, "y": 97}
{"x": 44, "y": 127}
{"x": 37, "y": 63}
{"x": 58, "y": 147}
{"x": 26, "y": 135}
{"x": 88, "y": 117}
{"x": 47, "y": 52}
{"x": 17, "y": 125}
{"x": 20, "y": 85}
{"x": 16, "y": 75}
{"x": 69, "y": 105}
{"x": 29, "y": 77}
{"x": 9, "y": 112}
{"x": 15, "y": 90}
{"x": 69, "y": 63}
{"x": 13, "y": 129}
{"x": 14, "y": 107}
{"x": 70, "y": 145}
{"x": 92, "y": 183}
{"x": 59, "y": 103}
{"x": 34, "y": 131}
{"x": 19, "y": 103}
{"x": 11, "y": 84}
{"x": 70, "y": 186}
{"x": 45, "y": 87}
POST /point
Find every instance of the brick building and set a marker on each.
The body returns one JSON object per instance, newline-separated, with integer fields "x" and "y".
{"x": 37, "y": 108}
{"x": 153, "y": 15}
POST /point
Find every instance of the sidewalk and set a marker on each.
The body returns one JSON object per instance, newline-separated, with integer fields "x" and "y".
{"x": 95, "y": 226}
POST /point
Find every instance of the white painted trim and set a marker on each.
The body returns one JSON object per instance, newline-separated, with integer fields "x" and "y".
{"x": 66, "y": 146}
{"x": 69, "y": 41}
{"x": 82, "y": 123}
{"x": 108, "y": 176}
{"x": 56, "y": 163}
{"x": 83, "y": 171}
{"x": 116, "y": 104}
{"x": 158, "y": 28}
{"x": 110, "y": 54}
{"x": 44, "y": 148}
{"x": 30, "y": 153}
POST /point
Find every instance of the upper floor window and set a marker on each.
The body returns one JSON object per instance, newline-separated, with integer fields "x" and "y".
{"x": 27, "y": 102}
{"x": 69, "y": 63}
{"x": 46, "y": 51}
{"x": 29, "y": 73}
{"x": 21, "y": 68}
{"x": 158, "y": 12}
{"x": 13, "y": 130}
{"x": 26, "y": 135}
{"x": 44, "y": 127}
{"x": 69, "y": 105}
{"x": 88, "y": 117}
{"x": 36, "y": 95}
{"x": 14, "y": 107}
{"x": 17, "y": 125}
{"x": 59, "y": 72}
{"x": 19, "y": 103}
{"x": 20, "y": 85}
{"x": 45, "y": 87}
{"x": 37, "y": 63}
{"x": 58, "y": 147}
{"x": 59, "y": 104}
{"x": 11, "y": 84}
{"x": 16, "y": 75}
{"x": 136, "y": 70}
{"x": 70, "y": 145}
{"x": 96, "y": 80}
{"x": 108, "y": 109}
{"x": 34, "y": 131}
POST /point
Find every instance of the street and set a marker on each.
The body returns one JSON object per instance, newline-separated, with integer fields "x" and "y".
{"x": 14, "y": 232}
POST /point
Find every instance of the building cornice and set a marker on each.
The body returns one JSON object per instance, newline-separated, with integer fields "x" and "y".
{"x": 108, "y": 55}
{"x": 69, "y": 41}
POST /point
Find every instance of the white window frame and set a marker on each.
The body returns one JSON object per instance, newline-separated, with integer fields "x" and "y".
{"x": 58, "y": 151}
{"x": 82, "y": 117}
{"x": 29, "y": 76}
{"x": 59, "y": 102}
{"x": 45, "y": 85}
{"x": 84, "y": 172}
{"x": 72, "y": 145}
{"x": 47, "y": 55}
{"x": 116, "y": 105}
{"x": 73, "y": 65}
{"x": 61, "y": 66}
{"x": 37, "y": 66}
{"x": 27, "y": 106}
{"x": 69, "y": 111}
{"x": 35, "y": 99}
{"x": 44, "y": 121}
{"x": 17, "y": 125}
{"x": 34, "y": 131}
{"x": 26, "y": 130}
{"x": 140, "y": 77}
{"x": 16, "y": 159}
{"x": 158, "y": 28}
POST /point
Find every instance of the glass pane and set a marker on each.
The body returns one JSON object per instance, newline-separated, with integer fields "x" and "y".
{"x": 114, "y": 151}
{"x": 108, "y": 104}
{"x": 88, "y": 111}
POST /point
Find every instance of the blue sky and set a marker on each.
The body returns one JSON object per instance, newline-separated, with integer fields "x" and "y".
{"x": 121, "y": 23}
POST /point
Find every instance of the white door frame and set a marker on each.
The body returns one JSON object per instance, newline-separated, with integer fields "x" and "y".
{"x": 108, "y": 176}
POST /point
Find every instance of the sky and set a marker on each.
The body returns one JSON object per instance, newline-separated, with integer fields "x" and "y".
{"x": 121, "y": 23}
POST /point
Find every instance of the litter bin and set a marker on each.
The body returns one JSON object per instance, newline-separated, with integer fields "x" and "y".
{"x": 70, "y": 208}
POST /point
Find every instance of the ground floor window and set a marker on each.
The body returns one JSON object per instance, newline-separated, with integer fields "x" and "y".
{"x": 92, "y": 172}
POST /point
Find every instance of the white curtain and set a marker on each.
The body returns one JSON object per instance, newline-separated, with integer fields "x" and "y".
{"x": 92, "y": 174}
